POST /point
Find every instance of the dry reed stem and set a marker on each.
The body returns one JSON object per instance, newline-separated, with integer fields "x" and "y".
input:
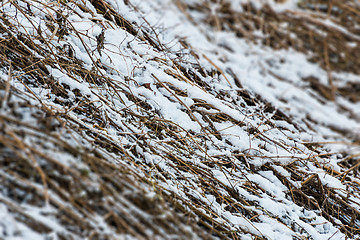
{"x": 111, "y": 164}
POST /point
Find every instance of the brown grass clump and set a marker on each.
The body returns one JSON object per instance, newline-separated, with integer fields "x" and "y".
{"x": 325, "y": 31}
{"x": 86, "y": 159}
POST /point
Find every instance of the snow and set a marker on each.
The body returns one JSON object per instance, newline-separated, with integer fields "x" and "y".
{"x": 11, "y": 229}
{"x": 128, "y": 56}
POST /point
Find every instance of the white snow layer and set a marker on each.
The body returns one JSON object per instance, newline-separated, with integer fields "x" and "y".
{"x": 127, "y": 55}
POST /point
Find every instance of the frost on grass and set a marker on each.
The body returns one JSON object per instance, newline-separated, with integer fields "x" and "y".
{"x": 179, "y": 119}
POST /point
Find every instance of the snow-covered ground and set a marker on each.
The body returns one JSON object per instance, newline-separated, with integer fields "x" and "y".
{"x": 225, "y": 127}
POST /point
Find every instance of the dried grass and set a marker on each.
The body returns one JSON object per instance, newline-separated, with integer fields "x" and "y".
{"x": 335, "y": 49}
{"x": 110, "y": 182}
